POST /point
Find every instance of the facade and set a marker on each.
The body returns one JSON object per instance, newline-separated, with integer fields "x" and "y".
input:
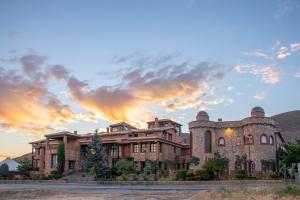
{"x": 254, "y": 138}
{"x": 162, "y": 141}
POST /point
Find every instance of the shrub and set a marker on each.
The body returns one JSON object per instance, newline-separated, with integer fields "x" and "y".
{"x": 131, "y": 177}
{"x": 203, "y": 175}
{"x": 53, "y": 175}
{"x": 181, "y": 175}
{"x": 150, "y": 177}
{"x": 275, "y": 175}
{"x": 119, "y": 178}
{"x": 36, "y": 176}
{"x": 24, "y": 166}
{"x": 241, "y": 174}
{"x": 124, "y": 166}
{"x": 140, "y": 177}
{"x": 190, "y": 176}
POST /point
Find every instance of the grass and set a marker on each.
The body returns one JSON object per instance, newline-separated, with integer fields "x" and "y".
{"x": 288, "y": 190}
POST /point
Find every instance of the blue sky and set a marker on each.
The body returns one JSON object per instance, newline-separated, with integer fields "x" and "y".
{"x": 222, "y": 56}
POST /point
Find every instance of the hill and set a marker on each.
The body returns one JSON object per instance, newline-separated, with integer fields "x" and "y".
{"x": 27, "y": 155}
{"x": 288, "y": 124}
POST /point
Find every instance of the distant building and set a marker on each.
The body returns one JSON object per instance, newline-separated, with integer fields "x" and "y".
{"x": 254, "y": 137}
{"x": 162, "y": 141}
{"x": 12, "y": 165}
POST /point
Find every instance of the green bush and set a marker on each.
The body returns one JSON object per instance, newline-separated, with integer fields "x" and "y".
{"x": 203, "y": 175}
{"x": 275, "y": 175}
{"x": 241, "y": 174}
{"x": 140, "y": 177}
{"x": 124, "y": 166}
{"x": 36, "y": 176}
{"x": 131, "y": 177}
{"x": 190, "y": 176}
{"x": 181, "y": 175}
{"x": 53, "y": 175}
{"x": 119, "y": 178}
{"x": 150, "y": 177}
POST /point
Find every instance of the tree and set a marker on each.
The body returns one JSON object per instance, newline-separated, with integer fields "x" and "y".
{"x": 289, "y": 154}
{"x": 95, "y": 157}
{"x": 124, "y": 166}
{"x": 211, "y": 167}
{"x": 4, "y": 170}
{"x": 194, "y": 161}
{"x": 24, "y": 166}
{"x": 60, "y": 159}
{"x": 151, "y": 167}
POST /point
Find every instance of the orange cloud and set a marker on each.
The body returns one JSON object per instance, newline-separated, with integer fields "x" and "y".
{"x": 26, "y": 104}
{"x": 158, "y": 81}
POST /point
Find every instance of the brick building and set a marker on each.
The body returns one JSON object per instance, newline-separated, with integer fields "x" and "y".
{"x": 255, "y": 136}
{"x": 162, "y": 141}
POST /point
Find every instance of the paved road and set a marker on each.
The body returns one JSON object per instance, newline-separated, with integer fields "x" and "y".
{"x": 88, "y": 187}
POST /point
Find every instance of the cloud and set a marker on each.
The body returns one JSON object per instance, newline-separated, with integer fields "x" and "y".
{"x": 267, "y": 74}
{"x": 57, "y": 71}
{"x": 260, "y": 96}
{"x": 230, "y": 88}
{"x": 295, "y": 47}
{"x": 297, "y": 74}
{"x": 26, "y": 103}
{"x": 151, "y": 80}
{"x": 31, "y": 63}
{"x": 283, "y": 52}
{"x": 258, "y": 54}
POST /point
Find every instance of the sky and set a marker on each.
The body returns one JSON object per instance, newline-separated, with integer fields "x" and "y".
{"x": 83, "y": 65}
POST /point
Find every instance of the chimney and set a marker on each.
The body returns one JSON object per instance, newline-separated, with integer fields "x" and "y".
{"x": 107, "y": 129}
{"x": 156, "y": 125}
{"x": 220, "y": 119}
{"x": 75, "y": 132}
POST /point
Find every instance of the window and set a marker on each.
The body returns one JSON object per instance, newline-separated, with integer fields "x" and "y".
{"x": 221, "y": 141}
{"x": 135, "y": 148}
{"x": 160, "y": 147}
{"x": 170, "y": 137}
{"x": 143, "y": 148}
{"x": 207, "y": 142}
{"x": 174, "y": 149}
{"x": 263, "y": 139}
{"x": 165, "y": 134}
{"x": 71, "y": 164}
{"x": 115, "y": 150}
{"x": 53, "y": 161}
{"x": 271, "y": 141}
{"x": 153, "y": 147}
{"x": 249, "y": 139}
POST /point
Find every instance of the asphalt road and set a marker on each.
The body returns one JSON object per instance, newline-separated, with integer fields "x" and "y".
{"x": 89, "y": 187}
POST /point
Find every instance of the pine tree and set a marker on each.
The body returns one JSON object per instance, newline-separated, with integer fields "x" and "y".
{"x": 95, "y": 157}
{"x": 60, "y": 159}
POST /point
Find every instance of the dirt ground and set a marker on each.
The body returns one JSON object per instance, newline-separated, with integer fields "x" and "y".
{"x": 275, "y": 193}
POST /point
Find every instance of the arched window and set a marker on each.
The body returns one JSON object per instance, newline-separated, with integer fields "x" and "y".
{"x": 207, "y": 140}
{"x": 263, "y": 139}
{"x": 271, "y": 140}
{"x": 221, "y": 141}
